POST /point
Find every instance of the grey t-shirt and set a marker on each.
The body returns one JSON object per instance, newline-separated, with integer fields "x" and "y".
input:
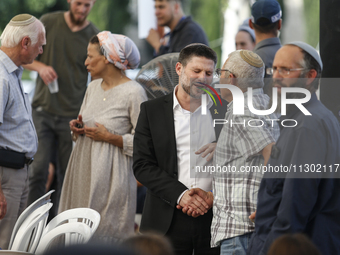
{"x": 66, "y": 52}
{"x": 267, "y": 49}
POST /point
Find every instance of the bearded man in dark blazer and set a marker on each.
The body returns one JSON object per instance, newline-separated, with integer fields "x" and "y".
{"x": 176, "y": 136}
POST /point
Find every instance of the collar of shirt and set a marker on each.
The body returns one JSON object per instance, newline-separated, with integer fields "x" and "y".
{"x": 267, "y": 42}
{"x": 9, "y": 65}
{"x": 178, "y": 107}
{"x": 180, "y": 23}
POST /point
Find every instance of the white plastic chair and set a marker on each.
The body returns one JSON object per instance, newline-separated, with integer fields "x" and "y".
{"x": 78, "y": 233}
{"x": 8, "y": 252}
{"x": 85, "y": 215}
{"x": 31, "y": 229}
{"x": 36, "y": 204}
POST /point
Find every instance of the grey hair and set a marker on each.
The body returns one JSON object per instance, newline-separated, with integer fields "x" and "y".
{"x": 12, "y": 35}
{"x": 246, "y": 74}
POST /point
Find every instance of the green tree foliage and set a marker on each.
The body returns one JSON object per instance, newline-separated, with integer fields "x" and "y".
{"x": 312, "y": 14}
{"x": 209, "y": 14}
{"x": 112, "y": 15}
{"x": 10, "y": 8}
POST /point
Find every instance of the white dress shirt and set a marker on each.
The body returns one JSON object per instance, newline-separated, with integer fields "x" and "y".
{"x": 193, "y": 131}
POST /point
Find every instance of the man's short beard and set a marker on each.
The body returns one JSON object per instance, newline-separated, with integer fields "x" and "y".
{"x": 300, "y": 83}
{"x": 76, "y": 22}
{"x": 187, "y": 86}
{"x": 168, "y": 22}
{"x": 188, "y": 90}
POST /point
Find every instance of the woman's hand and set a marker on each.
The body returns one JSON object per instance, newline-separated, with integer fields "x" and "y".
{"x": 98, "y": 133}
{"x": 77, "y": 126}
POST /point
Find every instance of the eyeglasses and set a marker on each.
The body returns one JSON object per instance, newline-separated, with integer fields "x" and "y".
{"x": 219, "y": 71}
{"x": 283, "y": 71}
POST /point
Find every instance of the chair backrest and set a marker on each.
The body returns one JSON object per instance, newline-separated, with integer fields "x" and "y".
{"x": 31, "y": 229}
{"x": 36, "y": 204}
{"x": 86, "y": 215}
{"x": 78, "y": 231}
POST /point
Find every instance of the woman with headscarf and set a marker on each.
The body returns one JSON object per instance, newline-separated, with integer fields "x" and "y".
{"x": 99, "y": 173}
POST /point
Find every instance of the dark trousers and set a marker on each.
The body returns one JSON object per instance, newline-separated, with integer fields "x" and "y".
{"x": 52, "y": 130}
{"x": 190, "y": 235}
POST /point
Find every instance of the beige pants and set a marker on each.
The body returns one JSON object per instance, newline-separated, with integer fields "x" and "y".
{"x": 14, "y": 183}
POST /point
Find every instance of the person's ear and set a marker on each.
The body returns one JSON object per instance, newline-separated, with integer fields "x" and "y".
{"x": 25, "y": 42}
{"x": 250, "y": 24}
{"x": 179, "y": 68}
{"x": 310, "y": 76}
{"x": 232, "y": 79}
{"x": 106, "y": 61}
{"x": 176, "y": 7}
{"x": 279, "y": 24}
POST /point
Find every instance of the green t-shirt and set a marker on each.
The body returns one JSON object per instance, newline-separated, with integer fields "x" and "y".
{"x": 66, "y": 52}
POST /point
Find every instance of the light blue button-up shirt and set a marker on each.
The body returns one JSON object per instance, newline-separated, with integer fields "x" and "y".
{"x": 17, "y": 131}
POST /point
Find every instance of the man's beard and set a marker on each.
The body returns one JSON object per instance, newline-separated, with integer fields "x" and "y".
{"x": 75, "y": 21}
{"x": 189, "y": 89}
{"x": 167, "y": 23}
{"x": 300, "y": 83}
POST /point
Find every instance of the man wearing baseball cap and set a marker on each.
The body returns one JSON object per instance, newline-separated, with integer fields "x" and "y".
{"x": 266, "y": 22}
{"x": 303, "y": 198}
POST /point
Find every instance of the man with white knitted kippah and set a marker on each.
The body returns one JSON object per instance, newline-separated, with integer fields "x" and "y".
{"x": 21, "y": 43}
{"x": 245, "y": 142}
{"x": 305, "y": 200}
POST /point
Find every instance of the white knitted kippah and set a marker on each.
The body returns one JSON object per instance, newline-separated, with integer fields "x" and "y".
{"x": 22, "y": 20}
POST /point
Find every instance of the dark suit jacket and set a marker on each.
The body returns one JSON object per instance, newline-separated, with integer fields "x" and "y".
{"x": 155, "y": 160}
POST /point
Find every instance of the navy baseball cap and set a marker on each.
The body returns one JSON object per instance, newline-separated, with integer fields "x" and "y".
{"x": 270, "y": 10}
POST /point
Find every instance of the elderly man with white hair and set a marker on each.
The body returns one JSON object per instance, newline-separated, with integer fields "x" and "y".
{"x": 21, "y": 43}
{"x": 244, "y": 143}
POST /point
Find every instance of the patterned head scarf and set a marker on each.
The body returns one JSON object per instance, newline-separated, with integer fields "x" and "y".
{"x": 119, "y": 50}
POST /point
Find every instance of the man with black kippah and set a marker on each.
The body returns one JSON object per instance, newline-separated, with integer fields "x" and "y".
{"x": 21, "y": 43}
{"x": 306, "y": 198}
{"x": 171, "y": 137}
{"x": 266, "y": 22}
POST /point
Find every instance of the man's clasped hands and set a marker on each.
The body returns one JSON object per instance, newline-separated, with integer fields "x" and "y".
{"x": 196, "y": 202}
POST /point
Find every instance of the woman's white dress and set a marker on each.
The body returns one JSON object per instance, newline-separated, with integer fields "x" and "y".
{"x": 99, "y": 175}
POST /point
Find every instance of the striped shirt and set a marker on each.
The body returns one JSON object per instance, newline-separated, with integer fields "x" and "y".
{"x": 238, "y": 148}
{"x": 17, "y": 131}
